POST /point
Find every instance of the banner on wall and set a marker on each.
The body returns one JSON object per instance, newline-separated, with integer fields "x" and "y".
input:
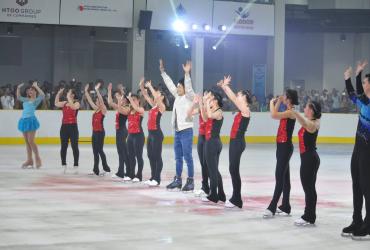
{"x": 248, "y": 19}
{"x": 259, "y": 82}
{"x": 106, "y": 13}
{"x": 190, "y": 11}
{"x": 30, "y": 11}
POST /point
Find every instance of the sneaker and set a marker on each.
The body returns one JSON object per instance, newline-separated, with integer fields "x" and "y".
{"x": 348, "y": 231}
{"x": 92, "y": 174}
{"x": 147, "y": 182}
{"x": 116, "y": 177}
{"x": 175, "y": 185}
{"x": 302, "y": 223}
{"x": 361, "y": 234}
{"x": 200, "y": 193}
{"x": 281, "y": 213}
{"x": 153, "y": 183}
{"x": 126, "y": 179}
{"x": 103, "y": 173}
{"x": 229, "y": 205}
{"x": 135, "y": 180}
{"x": 205, "y": 199}
{"x": 268, "y": 214}
{"x": 189, "y": 186}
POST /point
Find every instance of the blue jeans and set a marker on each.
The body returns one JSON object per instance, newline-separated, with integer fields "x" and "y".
{"x": 183, "y": 149}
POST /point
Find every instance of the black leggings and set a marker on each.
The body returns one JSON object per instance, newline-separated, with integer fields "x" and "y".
{"x": 121, "y": 137}
{"x": 135, "y": 144}
{"x": 284, "y": 152}
{"x": 69, "y": 132}
{"x": 97, "y": 145}
{"x": 360, "y": 171}
{"x": 213, "y": 149}
{"x": 154, "y": 148}
{"x": 237, "y": 147}
{"x": 310, "y": 163}
{"x": 201, "y": 154}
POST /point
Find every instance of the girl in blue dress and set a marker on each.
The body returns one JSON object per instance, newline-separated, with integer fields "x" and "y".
{"x": 28, "y": 124}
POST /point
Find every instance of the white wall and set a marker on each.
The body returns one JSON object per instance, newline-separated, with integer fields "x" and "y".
{"x": 337, "y": 56}
{"x": 304, "y": 59}
{"x": 332, "y": 125}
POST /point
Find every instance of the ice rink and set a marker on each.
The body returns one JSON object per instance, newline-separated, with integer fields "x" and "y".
{"x": 46, "y": 209}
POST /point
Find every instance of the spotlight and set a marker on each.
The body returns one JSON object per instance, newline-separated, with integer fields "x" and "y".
{"x": 179, "y": 25}
{"x": 186, "y": 46}
{"x": 222, "y": 28}
{"x": 194, "y": 26}
{"x": 214, "y": 47}
{"x": 9, "y": 30}
{"x": 206, "y": 27}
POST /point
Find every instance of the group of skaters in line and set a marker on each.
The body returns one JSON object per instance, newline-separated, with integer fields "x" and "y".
{"x": 207, "y": 107}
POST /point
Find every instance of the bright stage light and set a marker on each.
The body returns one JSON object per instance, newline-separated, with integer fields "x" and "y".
{"x": 206, "y": 27}
{"x": 186, "y": 46}
{"x": 179, "y": 25}
{"x": 222, "y": 28}
{"x": 214, "y": 47}
{"x": 194, "y": 26}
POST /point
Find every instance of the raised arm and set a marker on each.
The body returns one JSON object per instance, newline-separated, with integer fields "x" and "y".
{"x": 18, "y": 93}
{"x": 136, "y": 107}
{"x": 225, "y": 85}
{"x": 57, "y": 102}
{"x": 194, "y": 109}
{"x": 274, "y": 110}
{"x": 360, "y": 67}
{"x": 156, "y": 96}
{"x": 145, "y": 93}
{"x": 71, "y": 103}
{"x": 39, "y": 90}
{"x": 88, "y": 98}
{"x": 189, "y": 92}
{"x": 101, "y": 100}
{"x": 203, "y": 106}
{"x": 167, "y": 80}
{"x": 110, "y": 98}
{"x": 217, "y": 115}
{"x": 310, "y": 126}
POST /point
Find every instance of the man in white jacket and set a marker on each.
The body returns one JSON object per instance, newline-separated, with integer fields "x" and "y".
{"x": 182, "y": 124}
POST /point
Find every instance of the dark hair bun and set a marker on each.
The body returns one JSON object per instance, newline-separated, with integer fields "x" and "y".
{"x": 292, "y": 95}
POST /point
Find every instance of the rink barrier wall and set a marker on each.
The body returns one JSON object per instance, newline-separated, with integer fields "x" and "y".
{"x": 335, "y": 128}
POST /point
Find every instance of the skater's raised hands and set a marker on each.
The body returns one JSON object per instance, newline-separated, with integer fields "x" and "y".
{"x": 348, "y": 73}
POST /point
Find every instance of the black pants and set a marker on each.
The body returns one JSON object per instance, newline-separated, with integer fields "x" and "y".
{"x": 310, "y": 163}
{"x": 284, "y": 152}
{"x": 135, "y": 144}
{"x": 360, "y": 171}
{"x": 121, "y": 137}
{"x": 237, "y": 147}
{"x": 97, "y": 145}
{"x": 213, "y": 149}
{"x": 203, "y": 164}
{"x": 154, "y": 148}
{"x": 69, "y": 132}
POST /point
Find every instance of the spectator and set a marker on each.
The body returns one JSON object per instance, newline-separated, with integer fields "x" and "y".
{"x": 254, "y": 106}
{"x": 7, "y": 100}
{"x": 336, "y": 101}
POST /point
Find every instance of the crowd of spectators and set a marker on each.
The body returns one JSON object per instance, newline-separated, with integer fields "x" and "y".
{"x": 333, "y": 101}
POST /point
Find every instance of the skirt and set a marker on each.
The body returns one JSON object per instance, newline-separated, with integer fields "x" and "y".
{"x": 28, "y": 124}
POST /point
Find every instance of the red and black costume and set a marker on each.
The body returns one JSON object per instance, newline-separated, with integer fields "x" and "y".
{"x": 154, "y": 143}
{"x": 69, "y": 132}
{"x": 284, "y": 152}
